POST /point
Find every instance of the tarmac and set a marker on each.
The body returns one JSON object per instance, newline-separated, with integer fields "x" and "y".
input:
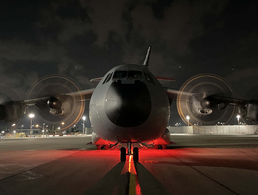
{"x": 194, "y": 164}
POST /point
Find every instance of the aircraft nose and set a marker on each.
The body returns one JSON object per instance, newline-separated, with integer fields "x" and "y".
{"x": 128, "y": 105}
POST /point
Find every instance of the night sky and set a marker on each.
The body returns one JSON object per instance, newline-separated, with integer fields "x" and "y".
{"x": 84, "y": 39}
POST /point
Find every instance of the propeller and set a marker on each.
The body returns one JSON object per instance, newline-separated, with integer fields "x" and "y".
{"x": 7, "y": 97}
{"x": 66, "y": 110}
{"x": 207, "y": 103}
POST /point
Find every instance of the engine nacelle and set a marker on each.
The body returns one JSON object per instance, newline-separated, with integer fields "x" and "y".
{"x": 249, "y": 111}
{"x": 198, "y": 107}
{"x": 54, "y": 103}
{"x": 12, "y": 111}
{"x": 61, "y": 105}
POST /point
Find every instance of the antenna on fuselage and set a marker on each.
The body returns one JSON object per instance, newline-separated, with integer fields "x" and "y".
{"x": 146, "y": 61}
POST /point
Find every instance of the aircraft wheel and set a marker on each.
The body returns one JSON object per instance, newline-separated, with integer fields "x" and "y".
{"x": 123, "y": 154}
{"x": 98, "y": 147}
{"x": 156, "y": 146}
{"x": 164, "y": 146}
{"x": 135, "y": 154}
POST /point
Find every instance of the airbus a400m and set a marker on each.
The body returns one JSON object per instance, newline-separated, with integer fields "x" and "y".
{"x": 129, "y": 105}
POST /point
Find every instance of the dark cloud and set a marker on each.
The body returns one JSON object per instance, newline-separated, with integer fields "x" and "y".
{"x": 85, "y": 38}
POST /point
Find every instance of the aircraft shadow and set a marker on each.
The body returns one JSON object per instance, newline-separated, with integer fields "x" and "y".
{"x": 116, "y": 183}
{"x": 112, "y": 183}
{"x": 148, "y": 183}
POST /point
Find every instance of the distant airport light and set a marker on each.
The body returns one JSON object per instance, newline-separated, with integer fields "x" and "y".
{"x": 62, "y": 123}
{"x": 37, "y": 125}
{"x": 84, "y": 118}
{"x": 31, "y": 115}
{"x": 13, "y": 124}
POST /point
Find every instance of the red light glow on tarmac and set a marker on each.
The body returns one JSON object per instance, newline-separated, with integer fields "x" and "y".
{"x": 134, "y": 186}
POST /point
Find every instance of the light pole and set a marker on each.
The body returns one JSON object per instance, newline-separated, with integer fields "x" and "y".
{"x": 62, "y": 127}
{"x": 12, "y": 128}
{"x": 31, "y": 116}
{"x": 43, "y": 128}
{"x": 238, "y": 116}
{"x": 188, "y": 117}
{"x": 83, "y": 119}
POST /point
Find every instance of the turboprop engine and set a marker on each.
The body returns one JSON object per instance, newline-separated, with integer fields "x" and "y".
{"x": 61, "y": 105}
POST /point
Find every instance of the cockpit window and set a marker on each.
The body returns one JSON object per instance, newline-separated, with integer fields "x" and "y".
{"x": 109, "y": 77}
{"x": 127, "y": 74}
{"x": 120, "y": 74}
{"x": 134, "y": 74}
{"x": 106, "y": 78}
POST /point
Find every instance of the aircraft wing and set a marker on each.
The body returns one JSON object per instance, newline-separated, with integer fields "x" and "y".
{"x": 173, "y": 93}
{"x": 85, "y": 95}
{"x": 96, "y": 80}
{"x": 216, "y": 98}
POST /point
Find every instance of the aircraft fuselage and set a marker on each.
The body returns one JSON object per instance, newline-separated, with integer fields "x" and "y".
{"x": 129, "y": 105}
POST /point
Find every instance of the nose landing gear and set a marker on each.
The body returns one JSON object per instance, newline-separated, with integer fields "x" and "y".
{"x": 135, "y": 153}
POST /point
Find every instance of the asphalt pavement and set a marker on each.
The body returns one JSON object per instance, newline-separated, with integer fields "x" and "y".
{"x": 194, "y": 164}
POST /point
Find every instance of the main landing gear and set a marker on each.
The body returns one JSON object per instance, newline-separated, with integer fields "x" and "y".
{"x": 123, "y": 153}
{"x": 160, "y": 146}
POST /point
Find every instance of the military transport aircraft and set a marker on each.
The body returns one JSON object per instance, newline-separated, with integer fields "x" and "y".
{"x": 129, "y": 105}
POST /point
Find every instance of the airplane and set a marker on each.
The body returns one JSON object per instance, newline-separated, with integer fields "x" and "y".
{"x": 129, "y": 105}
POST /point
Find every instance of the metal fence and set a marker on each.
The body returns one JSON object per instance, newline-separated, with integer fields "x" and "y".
{"x": 217, "y": 129}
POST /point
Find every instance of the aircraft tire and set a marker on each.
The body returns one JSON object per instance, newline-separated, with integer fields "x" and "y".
{"x": 156, "y": 146}
{"x": 164, "y": 146}
{"x": 135, "y": 154}
{"x": 98, "y": 147}
{"x": 123, "y": 154}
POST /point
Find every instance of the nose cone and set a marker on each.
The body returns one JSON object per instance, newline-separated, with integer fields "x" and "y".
{"x": 128, "y": 105}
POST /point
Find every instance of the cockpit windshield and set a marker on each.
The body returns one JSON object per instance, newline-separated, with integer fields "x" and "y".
{"x": 120, "y": 74}
{"x": 127, "y": 74}
{"x": 134, "y": 74}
